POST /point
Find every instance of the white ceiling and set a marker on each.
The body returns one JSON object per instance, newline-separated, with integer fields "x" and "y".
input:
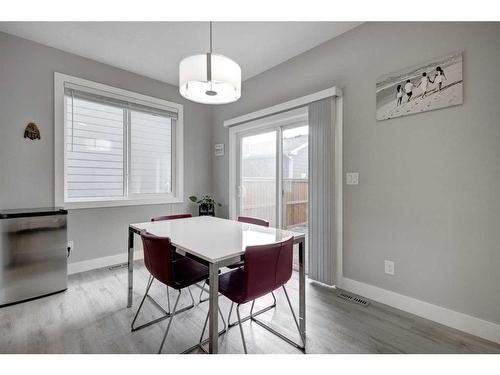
{"x": 154, "y": 49}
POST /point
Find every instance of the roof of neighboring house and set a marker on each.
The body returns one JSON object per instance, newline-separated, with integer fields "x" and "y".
{"x": 295, "y": 144}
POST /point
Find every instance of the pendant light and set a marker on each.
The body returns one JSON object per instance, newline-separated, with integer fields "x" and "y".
{"x": 210, "y": 78}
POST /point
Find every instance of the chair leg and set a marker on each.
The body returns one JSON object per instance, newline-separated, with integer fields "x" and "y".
{"x": 168, "y": 300}
{"x": 222, "y": 318}
{"x": 166, "y": 314}
{"x": 191, "y": 295}
{"x": 200, "y": 300}
{"x": 241, "y": 328}
{"x": 251, "y": 308}
{"x": 202, "y": 342}
{"x": 252, "y": 314}
{"x": 205, "y": 325}
{"x": 178, "y": 311}
{"x": 150, "y": 282}
{"x": 281, "y": 336}
{"x": 295, "y": 318}
{"x": 170, "y": 322}
{"x": 229, "y": 316}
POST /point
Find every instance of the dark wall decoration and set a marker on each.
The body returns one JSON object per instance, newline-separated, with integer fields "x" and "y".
{"x": 32, "y": 131}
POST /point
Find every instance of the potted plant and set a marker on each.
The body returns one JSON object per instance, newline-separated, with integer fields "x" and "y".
{"x": 206, "y": 205}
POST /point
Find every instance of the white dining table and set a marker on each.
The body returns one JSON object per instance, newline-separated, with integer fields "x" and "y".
{"x": 218, "y": 243}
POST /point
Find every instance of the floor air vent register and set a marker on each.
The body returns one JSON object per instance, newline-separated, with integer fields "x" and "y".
{"x": 353, "y": 298}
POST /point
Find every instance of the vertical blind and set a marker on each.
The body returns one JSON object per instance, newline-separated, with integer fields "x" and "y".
{"x": 321, "y": 191}
{"x": 115, "y": 148}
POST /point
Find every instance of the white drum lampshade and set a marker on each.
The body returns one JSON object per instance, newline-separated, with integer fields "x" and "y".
{"x": 210, "y": 79}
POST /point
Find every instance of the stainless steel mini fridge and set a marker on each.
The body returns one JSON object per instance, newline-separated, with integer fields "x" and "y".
{"x": 33, "y": 253}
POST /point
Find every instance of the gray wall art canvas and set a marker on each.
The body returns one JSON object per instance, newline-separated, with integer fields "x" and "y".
{"x": 432, "y": 85}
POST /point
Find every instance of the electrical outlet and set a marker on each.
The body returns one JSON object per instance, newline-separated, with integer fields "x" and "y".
{"x": 70, "y": 245}
{"x": 389, "y": 267}
{"x": 352, "y": 178}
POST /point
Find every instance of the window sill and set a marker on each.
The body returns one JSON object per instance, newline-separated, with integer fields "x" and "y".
{"x": 74, "y": 205}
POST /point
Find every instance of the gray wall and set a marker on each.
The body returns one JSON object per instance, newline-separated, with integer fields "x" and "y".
{"x": 429, "y": 193}
{"x": 27, "y": 167}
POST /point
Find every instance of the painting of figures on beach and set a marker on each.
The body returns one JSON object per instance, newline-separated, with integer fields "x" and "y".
{"x": 432, "y": 85}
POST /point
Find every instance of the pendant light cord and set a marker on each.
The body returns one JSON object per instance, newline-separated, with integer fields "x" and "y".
{"x": 209, "y": 61}
{"x": 210, "y": 36}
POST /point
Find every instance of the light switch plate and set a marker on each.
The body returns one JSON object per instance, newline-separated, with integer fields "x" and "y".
{"x": 352, "y": 178}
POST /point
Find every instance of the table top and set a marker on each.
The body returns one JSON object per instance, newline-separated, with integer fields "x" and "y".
{"x": 214, "y": 239}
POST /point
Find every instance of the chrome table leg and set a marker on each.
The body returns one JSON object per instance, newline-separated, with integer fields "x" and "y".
{"x": 130, "y": 266}
{"x": 302, "y": 289}
{"x": 213, "y": 342}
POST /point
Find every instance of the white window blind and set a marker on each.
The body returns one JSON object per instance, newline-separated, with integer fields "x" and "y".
{"x": 115, "y": 149}
{"x": 150, "y": 153}
{"x": 95, "y": 156}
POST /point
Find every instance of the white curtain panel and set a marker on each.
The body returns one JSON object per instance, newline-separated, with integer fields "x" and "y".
{"x": 321, "y": 246}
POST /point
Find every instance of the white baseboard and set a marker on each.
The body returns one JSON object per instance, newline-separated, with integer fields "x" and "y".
{"x": 466, "y": 323}
{"x": 92, "y": 264}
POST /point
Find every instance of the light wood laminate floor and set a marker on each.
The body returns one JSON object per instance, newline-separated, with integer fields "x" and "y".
{"x": 91, "y": 317}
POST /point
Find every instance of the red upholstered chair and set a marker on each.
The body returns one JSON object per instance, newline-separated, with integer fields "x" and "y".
{"x": 267, "y": 268}
{"x": 241, "y": 263}
{"x": 176, "y": 256}
{"x": 178, "y": 274}
{"x": 253, "y": 220}
{"x": 172, "y": 217}
{"x": 248, "y": 220}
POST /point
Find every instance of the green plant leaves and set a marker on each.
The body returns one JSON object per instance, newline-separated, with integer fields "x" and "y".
{"x": 206, "y": 199}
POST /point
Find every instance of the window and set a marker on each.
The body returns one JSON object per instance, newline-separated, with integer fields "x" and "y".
{"x": 150, "y": 153}
{"x": 115, "y": 147}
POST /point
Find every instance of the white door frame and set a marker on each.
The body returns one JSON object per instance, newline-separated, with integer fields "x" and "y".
{"x": 239, "y": 124}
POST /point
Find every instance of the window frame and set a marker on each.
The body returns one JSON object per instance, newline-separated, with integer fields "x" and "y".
{"x": 60, "y": 199}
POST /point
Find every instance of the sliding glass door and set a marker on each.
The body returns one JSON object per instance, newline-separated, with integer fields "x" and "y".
{"x": 272, "y": 172}
{"x": 258, "y": 176}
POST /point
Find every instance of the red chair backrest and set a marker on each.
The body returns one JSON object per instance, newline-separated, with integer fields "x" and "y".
{"x": 253, "y": 220}
{"x": 158, "y": 253}
{"x": 267, "y": 267}
{"x": 171, "y": 217}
